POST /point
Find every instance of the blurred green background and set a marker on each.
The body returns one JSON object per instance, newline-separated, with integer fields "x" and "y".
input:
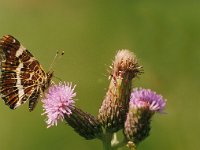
{"x": 165, "y": 35}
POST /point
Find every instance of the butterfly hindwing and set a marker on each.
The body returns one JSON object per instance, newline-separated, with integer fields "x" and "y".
{"x": 22, "y": 77}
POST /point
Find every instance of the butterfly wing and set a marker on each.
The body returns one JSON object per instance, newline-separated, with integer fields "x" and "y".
{"x": 22, "y": 77}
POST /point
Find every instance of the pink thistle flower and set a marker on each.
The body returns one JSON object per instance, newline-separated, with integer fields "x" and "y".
{"x": 143, "y": 104}
{"x": 141, "y": 98}
{"x": 58, "y": 102}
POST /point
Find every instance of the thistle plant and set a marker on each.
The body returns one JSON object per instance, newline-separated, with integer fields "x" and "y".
{"x": 124, "y": 108}
{"x": 114, "y": 108}
{"x": 142, "y": 106}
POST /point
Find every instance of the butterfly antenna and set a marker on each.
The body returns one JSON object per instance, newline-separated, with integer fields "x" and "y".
{"x": 56, "y": 58}
{"x": 61, "y": 55}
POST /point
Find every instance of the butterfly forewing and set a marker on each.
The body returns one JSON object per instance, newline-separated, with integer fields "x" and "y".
{"x": 22, "y": 77}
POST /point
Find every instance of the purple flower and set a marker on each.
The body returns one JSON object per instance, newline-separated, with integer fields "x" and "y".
{"x": 141, "y": 98}
{"x": 58, "y": 101}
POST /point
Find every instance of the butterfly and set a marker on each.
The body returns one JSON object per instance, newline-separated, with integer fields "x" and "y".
{"x": 22, "y": 77}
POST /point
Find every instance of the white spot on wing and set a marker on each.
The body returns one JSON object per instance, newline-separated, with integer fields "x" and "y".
{"x": 20, "y": 51}
{"x": 18, "y": 84}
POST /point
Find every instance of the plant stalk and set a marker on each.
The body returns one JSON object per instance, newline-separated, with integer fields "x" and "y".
{"x": 106, "y": 141}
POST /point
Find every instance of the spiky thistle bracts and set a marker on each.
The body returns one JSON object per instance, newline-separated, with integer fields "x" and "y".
{"x": 85, "y": 124}
{"x": 125, "y": 62}
{"x": 114, "y": 107}
{"x": 143, "y": 104}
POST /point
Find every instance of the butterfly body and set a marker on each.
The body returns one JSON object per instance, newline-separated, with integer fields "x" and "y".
{"x": 22, "y": 77}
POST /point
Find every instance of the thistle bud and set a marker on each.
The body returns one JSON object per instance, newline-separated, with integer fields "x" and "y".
{"x": 113, "y": 110}
{"x": 143, "y": 104}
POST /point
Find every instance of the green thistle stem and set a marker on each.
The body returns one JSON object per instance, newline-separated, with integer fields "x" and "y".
{"x": 110, "y": 142}
{"x": 106, "y": 140}
{"x": 115, "y": 146}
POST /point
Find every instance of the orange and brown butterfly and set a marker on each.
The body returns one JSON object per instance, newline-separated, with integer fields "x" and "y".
{"x": 22, "y": 77}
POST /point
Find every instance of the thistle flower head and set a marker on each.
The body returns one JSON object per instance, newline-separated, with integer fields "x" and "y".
{"x": 57, "y": 102}
{"x": 142, "y": 106}
{"x": 125, "y": 61}
{"x": 114, "y": 108}
{"x": 141, "y": 98}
